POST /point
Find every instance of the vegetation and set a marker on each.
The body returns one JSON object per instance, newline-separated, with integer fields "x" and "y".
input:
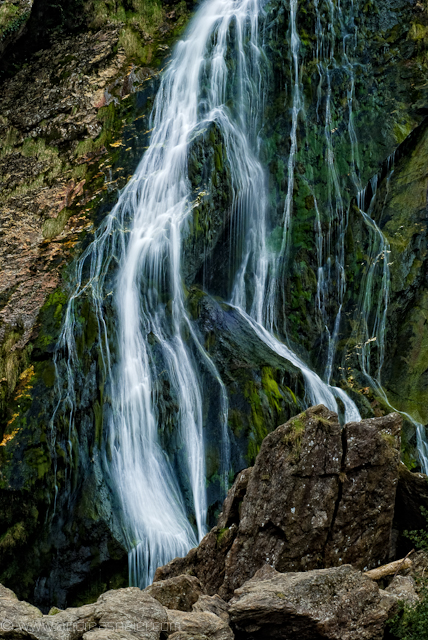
{"x": 411, "y": 623}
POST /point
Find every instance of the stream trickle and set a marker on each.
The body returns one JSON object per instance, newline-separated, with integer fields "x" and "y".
{"x": 141, "y": 240}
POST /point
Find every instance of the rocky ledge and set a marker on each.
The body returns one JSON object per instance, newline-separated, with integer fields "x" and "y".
{"x": 288, "y": 558}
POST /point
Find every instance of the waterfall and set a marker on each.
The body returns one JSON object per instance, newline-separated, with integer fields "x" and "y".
{"x": 140, "y": 241}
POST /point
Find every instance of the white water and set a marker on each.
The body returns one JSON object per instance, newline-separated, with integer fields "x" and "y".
{"x": 142, "y": 239}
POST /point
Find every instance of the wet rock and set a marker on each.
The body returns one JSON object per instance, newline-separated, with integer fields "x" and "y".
{"x": 213, "y": 604}
{"x": 197, "y": 625}
{"x": 178, "y": 593}
{"x": 316, "y": 496}
{"x": 337, "y": 603}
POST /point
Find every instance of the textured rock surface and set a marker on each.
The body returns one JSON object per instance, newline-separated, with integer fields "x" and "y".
{"x": 337, "y": 603}
{"x": 213, "y": 604}
{"x": 403, "y": 589}
{"x": 178, "y": 593}
{"x": 197, "y": 624}
{"x": 316, "y": 496}
{"x": 121, "y": 614}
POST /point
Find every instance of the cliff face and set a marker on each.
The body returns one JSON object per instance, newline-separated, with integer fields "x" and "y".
{"x": 77, "y": 90}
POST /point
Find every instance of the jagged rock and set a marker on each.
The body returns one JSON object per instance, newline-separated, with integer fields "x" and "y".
{"x": 120, "y": 614}
{"x": 316, "y": 496}
{"x": 178, "y": 593}
{"x": 337, "y": 603}
{"x": 403, "y": 588}
{"x": 15, "y": 614}
{"x": 21, "y": 620}
{"x": 197, "y": 625}
{"x": 213, "y": 604}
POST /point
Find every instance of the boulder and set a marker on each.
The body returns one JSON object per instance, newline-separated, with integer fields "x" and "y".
{"x": 133, "y": 611}
{"x": 337, "y": 603}
{"x": 317, "y": 496}
{"x": 213, "y": 604}
{"x": 361, "y": 531}
{"x": 117, "y": 615}
{"x": 197, "y": 625}
{"x": 178, "y": 593}
{"x": 106, "y": 634}
{"x": 21, "y": 620}
{"x": 16, "y": 615}
{"x": 403, "y": 588}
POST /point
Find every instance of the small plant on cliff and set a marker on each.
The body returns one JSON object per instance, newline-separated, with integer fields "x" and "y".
{"x": 420, "y": 537}
{"x": 411, "y": 623}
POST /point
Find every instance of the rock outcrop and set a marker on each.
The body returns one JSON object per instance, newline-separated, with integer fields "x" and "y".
{"x": 337, "y": 603}
{"x": 317, "y": 496}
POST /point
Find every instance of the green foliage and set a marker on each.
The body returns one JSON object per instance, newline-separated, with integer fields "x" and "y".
{"x": 419, "y": 538}
{"x": 411, "y": 623}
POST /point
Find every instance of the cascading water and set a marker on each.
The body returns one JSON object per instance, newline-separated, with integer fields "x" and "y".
{"x": 141, "y": 242}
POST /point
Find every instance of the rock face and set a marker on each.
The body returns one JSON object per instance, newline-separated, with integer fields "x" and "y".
{"x": 338, "y": 603}
{"x": 316, "y": 496}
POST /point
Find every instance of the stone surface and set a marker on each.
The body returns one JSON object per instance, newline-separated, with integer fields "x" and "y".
{"x": 213, "y": 604}
{"x": 361, "y": 531}
{"x": 403, "y": 588}
{"x": 178, "y": 593}
{"x": 197, "y": 624}
{"x": 131, "y": 610}
{"x": 117, "y": 615}
{"x": 316, "y": 496}
{"x": 336, "y": 603}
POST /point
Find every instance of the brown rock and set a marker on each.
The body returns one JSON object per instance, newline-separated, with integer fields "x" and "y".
{"x": 337, "y": 603}
{"x": 105, "y": 634}
{"x": 361, "y": 532}
{"x": 15, "y": 614}
{"x": 182, "y": 635}
{"x": 178, "y": 593}
{"x": 213, "y": 604}
{"x": 133, "y": 611}
{"x": 198, "y": 625}
{"x": 403, "y": 588}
